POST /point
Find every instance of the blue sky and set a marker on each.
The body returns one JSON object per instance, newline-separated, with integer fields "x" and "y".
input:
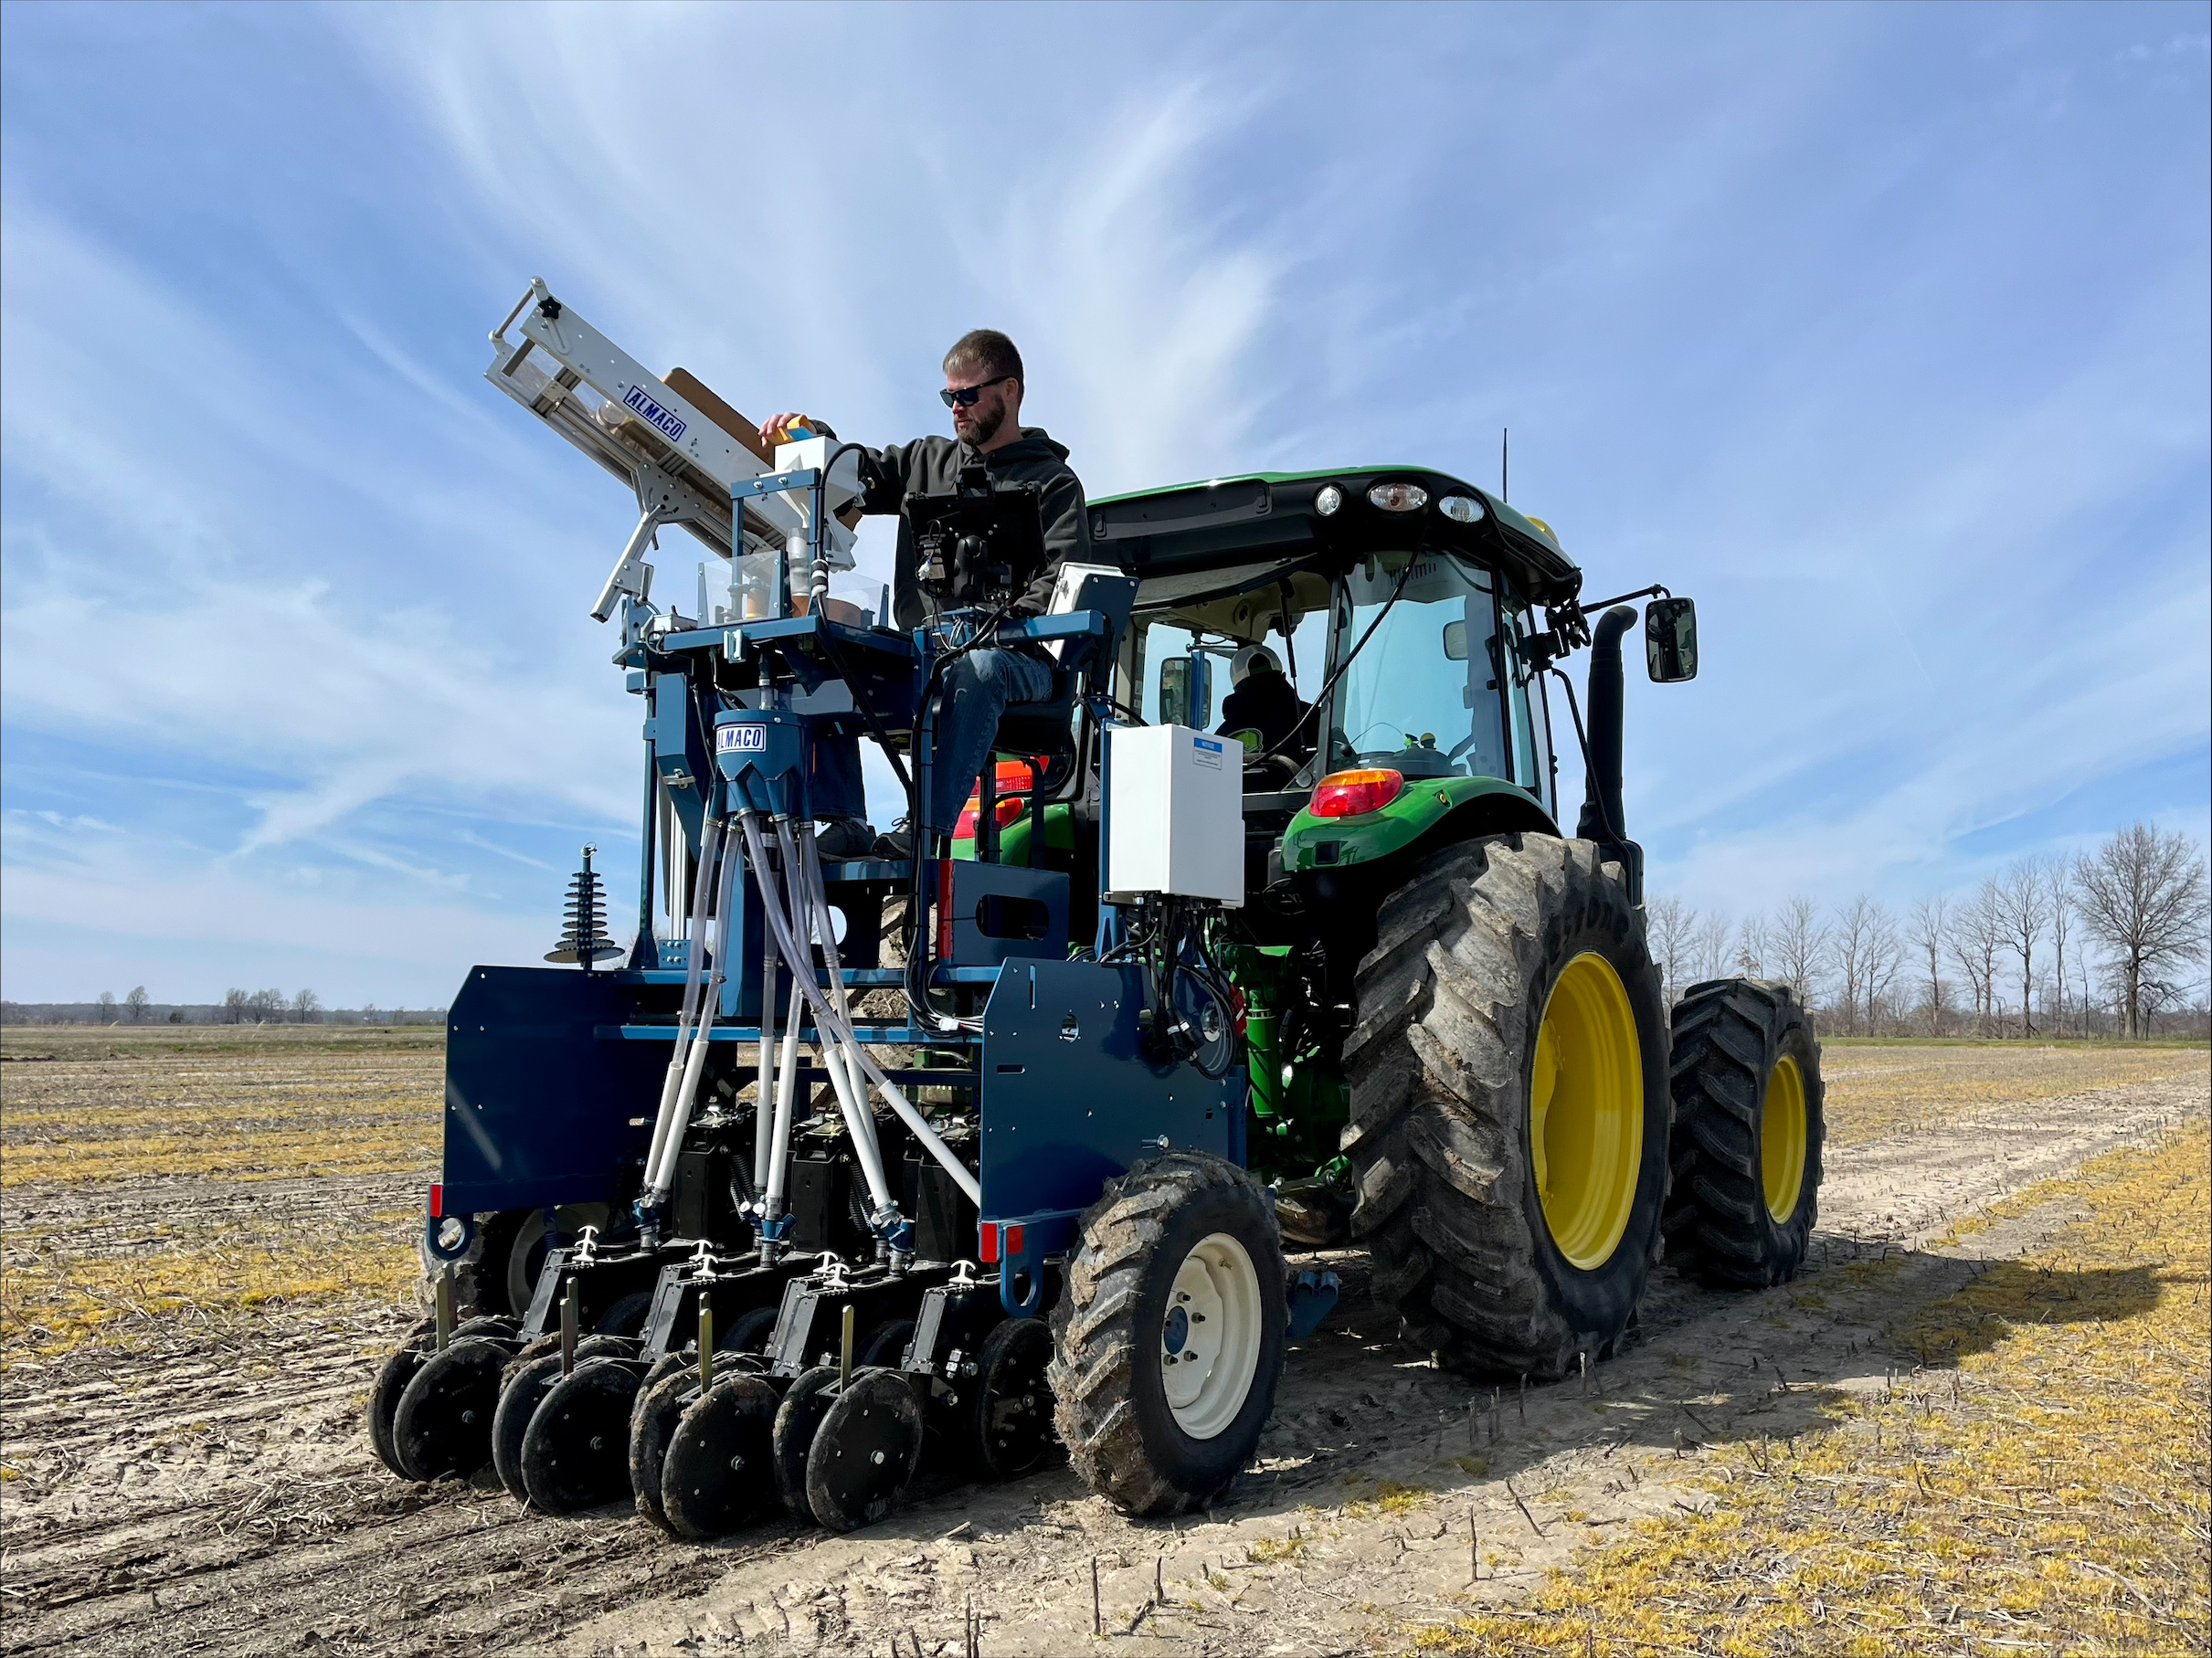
{"x": 1881, "y": 330}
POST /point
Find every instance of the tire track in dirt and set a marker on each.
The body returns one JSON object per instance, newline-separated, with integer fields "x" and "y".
{"x": 220, "y": 1497}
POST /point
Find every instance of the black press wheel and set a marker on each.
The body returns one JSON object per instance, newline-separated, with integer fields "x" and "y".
{"x": 798, "y": 1419}
{"x": 1747, "y": 1135}
{"x": 1169, "y": 1339}
{"x": 867, "y": 1448}
{"x": 716, "y": 1475}
{"x": 576, "y": 1452}
{"x": 1007, "y": 1405}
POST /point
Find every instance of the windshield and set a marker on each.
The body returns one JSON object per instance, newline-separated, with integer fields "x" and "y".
{"x": 1427, "y": 694}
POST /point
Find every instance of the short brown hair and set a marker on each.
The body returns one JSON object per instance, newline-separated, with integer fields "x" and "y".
{"x": 985, "y": 351}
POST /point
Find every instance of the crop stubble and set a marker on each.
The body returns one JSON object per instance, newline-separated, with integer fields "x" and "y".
{"x": 207, "y": 1238}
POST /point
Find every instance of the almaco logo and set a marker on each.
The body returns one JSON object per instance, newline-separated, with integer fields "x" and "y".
{"x": 745, "y": 739}
{"x": 666, "y": 424}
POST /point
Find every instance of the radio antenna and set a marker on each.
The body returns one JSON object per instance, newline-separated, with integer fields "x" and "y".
{"x": 1505, "y": 463}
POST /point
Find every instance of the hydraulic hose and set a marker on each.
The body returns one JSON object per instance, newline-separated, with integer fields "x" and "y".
{"x": 823, "y": 1012}
{"x": 711, "y": 839}
{"x": 859, "y": 1124}
{"x": 787, "y": 1090}
{"x": 858, "y": 1055}
{"x": 662, "y": 1178}
{"x": 765, "y": 1091}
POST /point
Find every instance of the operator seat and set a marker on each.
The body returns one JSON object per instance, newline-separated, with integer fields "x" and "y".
{"x": 1045, "y": 731}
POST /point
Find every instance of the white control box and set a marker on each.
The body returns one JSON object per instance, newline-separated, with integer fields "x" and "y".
{"x": 1175, "y": 813}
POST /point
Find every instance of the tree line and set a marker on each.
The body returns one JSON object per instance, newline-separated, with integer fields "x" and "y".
{"x": 239, "y": 1007}
{"x": 2103, "y": 943}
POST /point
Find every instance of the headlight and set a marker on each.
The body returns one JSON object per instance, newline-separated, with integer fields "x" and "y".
{"x": 1399, "y": 497}
{"x": 1461, "y": 508}
{"x": 1329, "y": 500}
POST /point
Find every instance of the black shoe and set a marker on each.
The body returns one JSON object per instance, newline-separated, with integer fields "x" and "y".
{"x": 895, "y": 844}
{"x": 844, "y": 838}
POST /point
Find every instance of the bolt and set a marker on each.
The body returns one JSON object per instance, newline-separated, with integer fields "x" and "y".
{"x": 467, "y": 1417}
{"x": 596, "y": 1442}
{"x": 876, "y": 1457}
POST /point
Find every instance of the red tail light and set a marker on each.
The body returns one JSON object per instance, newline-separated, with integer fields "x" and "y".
{"x": 1350, "y": 794}
{"x": 1009, "y": 787}
{"x": 944, "y": 909}
{"x": 437, "y": 1200}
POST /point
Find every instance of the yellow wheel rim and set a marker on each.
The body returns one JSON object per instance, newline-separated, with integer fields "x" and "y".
{"x": 1782, "y": 1138}
{"x": 1586, "y": 1111}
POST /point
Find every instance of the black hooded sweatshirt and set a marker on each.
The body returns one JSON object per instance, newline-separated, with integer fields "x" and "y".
{"x": 931, "y": 466}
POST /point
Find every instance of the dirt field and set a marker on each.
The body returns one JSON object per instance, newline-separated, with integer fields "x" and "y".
{"x": 206, "y": 1243}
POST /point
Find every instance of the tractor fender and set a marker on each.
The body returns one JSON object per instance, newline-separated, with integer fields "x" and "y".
{"x": 1428, "y": 813}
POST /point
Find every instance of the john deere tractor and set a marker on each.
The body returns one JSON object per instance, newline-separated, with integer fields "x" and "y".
{"x": 997, "y": 1147}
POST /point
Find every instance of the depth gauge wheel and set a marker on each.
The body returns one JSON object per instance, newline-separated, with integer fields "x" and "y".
{"x": 1168, "y": 1341}
{"x": 1747, "y": 1138}
{"x": 1509, "y": 1111}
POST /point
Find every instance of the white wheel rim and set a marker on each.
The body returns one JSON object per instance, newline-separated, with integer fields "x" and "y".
{"x": 1210, "y": 1336}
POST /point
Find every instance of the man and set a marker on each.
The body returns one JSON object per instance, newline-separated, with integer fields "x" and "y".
{"x": 983, "y": 387}
{"x": 1264, "y": 701}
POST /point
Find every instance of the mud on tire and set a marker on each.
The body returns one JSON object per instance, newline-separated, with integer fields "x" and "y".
{"x": 1746, "y": 1153}
{"x": 1111, "y": 1402}
{"x": 1450, "y": 1001}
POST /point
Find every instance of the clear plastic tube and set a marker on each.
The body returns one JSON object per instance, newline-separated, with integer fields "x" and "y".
{"x": 695, "y": 1066}
{"x": 712, "y": 839}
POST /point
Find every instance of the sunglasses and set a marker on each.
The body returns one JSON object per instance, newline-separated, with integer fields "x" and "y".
{"x": 965, "y": 397}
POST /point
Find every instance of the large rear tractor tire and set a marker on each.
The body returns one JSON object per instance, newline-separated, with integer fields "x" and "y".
{"x": 1510, "y": 1112}
{"x": 1747, "y": 1135}
{"x": 1167, "y": 1340}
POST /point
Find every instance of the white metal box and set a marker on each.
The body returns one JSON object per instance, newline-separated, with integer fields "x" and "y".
{"x": 1175, "y": 813}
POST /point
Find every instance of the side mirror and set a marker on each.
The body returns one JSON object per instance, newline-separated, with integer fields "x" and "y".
{"x": 1454, "y": 641}
{"x": 1670, "y": 640}
{"x": 1186, "y": 690}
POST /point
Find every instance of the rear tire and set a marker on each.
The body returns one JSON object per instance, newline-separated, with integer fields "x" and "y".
{"x": 1513, "y": 1225}
{"x": 1747, "y": 1137}
{"x": 1151, "y": 1429}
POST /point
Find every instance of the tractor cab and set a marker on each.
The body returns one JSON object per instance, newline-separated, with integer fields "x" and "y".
{"x": 1398, "y": 607}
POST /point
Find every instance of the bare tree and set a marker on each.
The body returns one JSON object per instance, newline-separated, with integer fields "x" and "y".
{"x": 1752, "y": 947}
{"x": 138, "y": 1002}
{"x": 1669, "y": 922}
{"x": 1927, "y": 930}
{"x": 1976, "y": 936}
{"x": 1712, "y": 947}
{"x": 307, "y": 1008}
{"x": 2059, "y": 879}
{"x": 264, "y": 1005}
{"x": 2024, "y": 912}
{"x": 1885, "y": 957}
{"x": 1800, "y": 947}
{"x": 1849, "y": 941}
{"x": 2143, "y": 896}
{"x": 107, "y": 1007}
{"x": 234, "y": 1007}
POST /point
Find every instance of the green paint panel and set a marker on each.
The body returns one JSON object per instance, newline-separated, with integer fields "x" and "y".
{"x": 1420, "y": 807}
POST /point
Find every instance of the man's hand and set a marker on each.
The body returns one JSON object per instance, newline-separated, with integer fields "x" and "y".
{"x": 778, "y": 429}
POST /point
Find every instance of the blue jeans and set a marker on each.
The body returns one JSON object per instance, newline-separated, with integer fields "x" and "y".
{"x": 976, "y": 691}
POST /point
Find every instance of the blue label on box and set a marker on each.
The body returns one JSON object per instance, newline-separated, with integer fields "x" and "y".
{"x": 1209, "y": 752}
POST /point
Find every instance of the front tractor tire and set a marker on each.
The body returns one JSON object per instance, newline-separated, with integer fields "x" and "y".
{"x": 1167, "y": 1340}
{"x": 1510, "y": 1111}
{"x": 1747, "y": 1138}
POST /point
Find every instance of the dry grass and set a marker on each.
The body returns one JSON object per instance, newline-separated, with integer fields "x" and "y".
{"x": 2050, "y": 1494}
{"x": 1880, "y": 1092}
{"x": 162, "y": 1178}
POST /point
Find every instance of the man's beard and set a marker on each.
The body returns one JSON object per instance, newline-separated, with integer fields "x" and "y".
{"x": 983, "y": 427}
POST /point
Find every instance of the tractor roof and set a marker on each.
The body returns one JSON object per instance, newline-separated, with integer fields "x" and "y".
{"x": 1227, "y": 534}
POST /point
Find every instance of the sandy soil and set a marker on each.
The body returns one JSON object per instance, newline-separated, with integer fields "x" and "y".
{"x": 214, "y": 1492}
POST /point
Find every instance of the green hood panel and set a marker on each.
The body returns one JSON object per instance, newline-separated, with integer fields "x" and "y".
{"x": 1323, "y": 843}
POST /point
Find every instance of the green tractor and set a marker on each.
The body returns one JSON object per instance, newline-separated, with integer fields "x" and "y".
{"x": 1459, "y": 1053}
